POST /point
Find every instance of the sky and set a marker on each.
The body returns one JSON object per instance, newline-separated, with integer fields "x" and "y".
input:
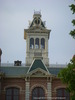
{"x": 14, "y": 18}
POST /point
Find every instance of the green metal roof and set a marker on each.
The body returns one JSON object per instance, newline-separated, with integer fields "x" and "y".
{"x": 54, "y": 70}
{"x": 16, "y": 71}
{"x": 37, "y": 64}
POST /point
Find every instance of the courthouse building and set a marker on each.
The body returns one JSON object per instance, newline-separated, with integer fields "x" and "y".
{"x": 37, "y": 79}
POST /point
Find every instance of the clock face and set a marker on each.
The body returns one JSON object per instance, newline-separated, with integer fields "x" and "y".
{"x": 37, "y": 21}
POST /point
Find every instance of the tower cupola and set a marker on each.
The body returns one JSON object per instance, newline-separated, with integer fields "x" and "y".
{"x": 37, "y": 40}
{"x": 37, "y": 20}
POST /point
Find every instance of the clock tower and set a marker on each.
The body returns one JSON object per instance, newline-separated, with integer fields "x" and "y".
{"x": 36, "y": 37}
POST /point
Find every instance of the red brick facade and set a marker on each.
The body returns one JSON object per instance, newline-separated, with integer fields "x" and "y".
{"x": 34, "y": 82}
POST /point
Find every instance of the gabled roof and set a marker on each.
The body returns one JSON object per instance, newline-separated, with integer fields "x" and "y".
{"x": 37, "y": 63}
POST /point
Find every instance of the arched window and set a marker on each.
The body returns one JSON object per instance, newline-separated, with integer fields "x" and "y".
{"x": 42, "y": 43}
{"x": 31, "y": 43}
{"x": 65, "y": 95}
{"x": 36, "y": 43}
{"x": 12, "y": 93}
{"x": 38, "y": 94}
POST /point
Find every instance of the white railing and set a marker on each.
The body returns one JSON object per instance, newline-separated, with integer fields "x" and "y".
{"x": 24, "y": 65}
{"x": 37, "y": 12}
{"x": 10, "y": 64}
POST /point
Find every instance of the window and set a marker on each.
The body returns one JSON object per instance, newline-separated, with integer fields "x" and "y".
{"x": 31, "y": 43}
{"x": 63, "y": 94}
{"x": 12, "y": 93}
{"x": 38, "y": 94}
{"x": 42, "y": 43}
{"x": 36, "y": 43}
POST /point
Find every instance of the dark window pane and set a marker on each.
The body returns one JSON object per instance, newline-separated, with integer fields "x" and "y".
{"x": 41, "y": 92}
{"x": 59, "y": 93}
{"x": 31, "y": 43}
{"x": 63, "y": 94}
{"x": 36, "y": 43}
{"x": 38, "y": 92}
{"x": 66, "y": 94}
{"x": 12, "y": 93}
{"x": 15, "y": 98}
{"x": 35, "y": 93}
{"x": 42, "y": 43}
{"x": 9, "y": 91}
{"x": 15, "y": 91}
{"x": 8, "y": 98}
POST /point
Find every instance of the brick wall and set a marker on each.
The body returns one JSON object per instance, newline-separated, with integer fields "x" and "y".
{"x": 38, "y": 82}
{"x": 13, "y": 82}
{"x": 33, "y": 82}
{"x": 56, "y": 83}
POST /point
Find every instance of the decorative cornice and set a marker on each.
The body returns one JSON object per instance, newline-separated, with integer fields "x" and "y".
{"x": 34, "y": 73}
{"x": 37, "y": 31}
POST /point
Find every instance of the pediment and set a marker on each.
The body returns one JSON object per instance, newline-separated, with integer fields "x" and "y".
{"x": 38, "y": 73}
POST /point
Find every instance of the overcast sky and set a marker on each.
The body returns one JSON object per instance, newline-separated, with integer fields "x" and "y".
{"x": 14, "y": 17}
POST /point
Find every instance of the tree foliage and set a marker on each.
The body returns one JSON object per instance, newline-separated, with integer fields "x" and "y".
{"x": 67, "y": 76}
{"x": 72, "y": 32}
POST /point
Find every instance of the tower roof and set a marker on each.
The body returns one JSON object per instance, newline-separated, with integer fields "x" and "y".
{"x": 37, "y": 20}
{"x": 36, "y": 25}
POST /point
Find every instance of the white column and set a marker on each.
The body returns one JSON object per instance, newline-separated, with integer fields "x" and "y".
{"x": 27, "y": 91}
{"x": 27, "y": 45}
{"x": 49, "y": 91}
{"x": 46, "y": 44}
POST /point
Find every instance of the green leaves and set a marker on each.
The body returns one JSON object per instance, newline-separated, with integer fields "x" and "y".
{"x": 67, "y": 75}
{"x": 72, "y": 8}
{"x": 72, "y": 33}
{"x": 73, "y": 21}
